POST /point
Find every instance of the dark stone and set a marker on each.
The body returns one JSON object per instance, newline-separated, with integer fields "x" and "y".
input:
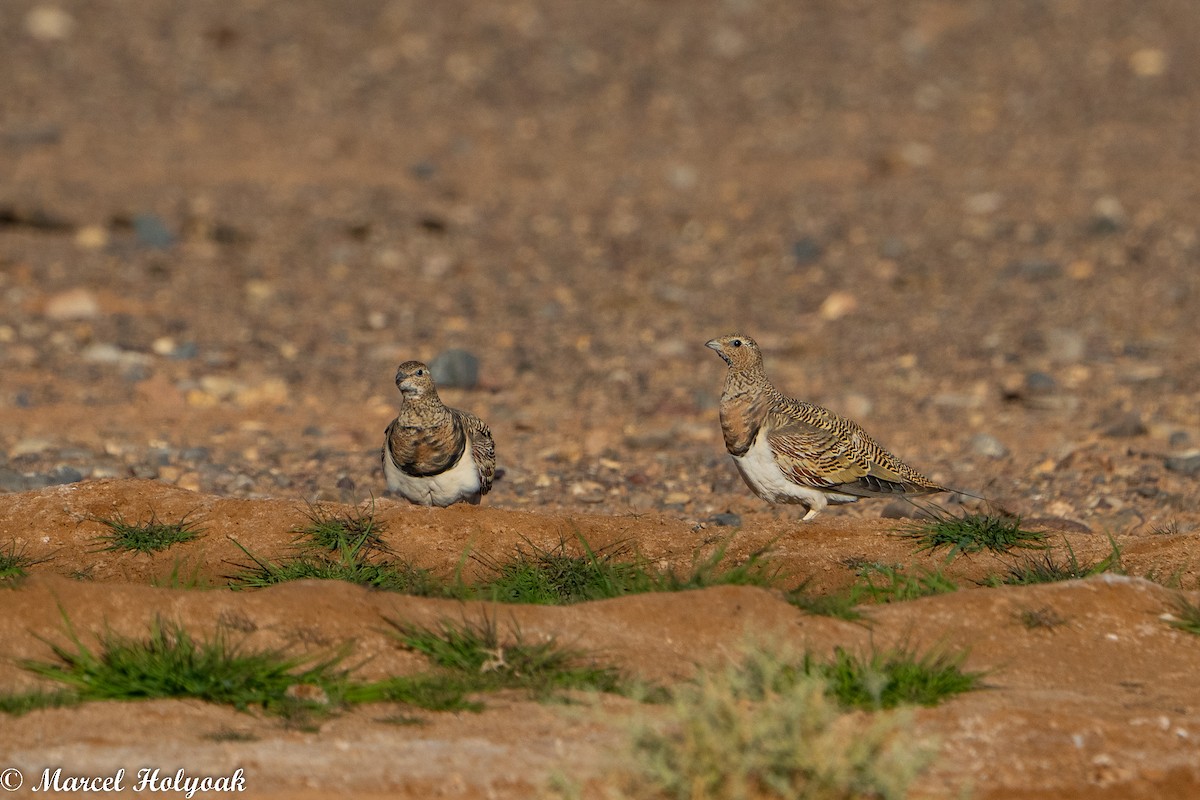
{"x": 456, "y": 369}
{"x": 432, "y": 224}
{"x": 1040, "y": 383}
{"x": 193, "y": 454}
{"x": 185, "y": 351}
{"x": 1126, "y": 425}
{"x": 1179, "y": 439}
{"x": 1187, "y": 465}
{"x": 65, "y": 474}
{"x": 1102, "y": 225}
{"x": 1035, "y": 269}
{"x": 345, "y": 482}
{"x": 150, "y": 231}
{"x": 807, "y": 251}
{"x": 11, "y": 480}
{"x": 727, "y": 519}
{"x": 424, "y": 170}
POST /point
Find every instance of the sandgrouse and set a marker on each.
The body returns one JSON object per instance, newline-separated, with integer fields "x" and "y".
{"x": 434, "y": 455}
{"x": 790, "y": 451}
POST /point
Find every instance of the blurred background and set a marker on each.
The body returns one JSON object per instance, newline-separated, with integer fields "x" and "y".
{"x": 972, "y": 226}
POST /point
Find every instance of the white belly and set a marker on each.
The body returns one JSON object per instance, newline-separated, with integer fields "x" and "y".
{"x": 763, "y": 475}
{"x": 460, "y": 482}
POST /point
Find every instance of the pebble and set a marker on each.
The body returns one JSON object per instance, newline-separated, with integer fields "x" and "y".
{"x": 455, "y": 368}
{"x": 902, "y": 509}
{"x": 72, "y": 304}
{"x": 1040, "y": 383}
{"x": 1035, "y": 269}
{"x": 726, "y": 519}
{"x": 837, "y": 305}
{"x": 150, "y": 231}
{"x": 1126, "y": 425}
{"x": 587, "y": 491}
{"x": 48, "y": 23}
{"x": 807, "y": 250}
{"x": 984, "y": 444}
{"x": 1186, "y": 464}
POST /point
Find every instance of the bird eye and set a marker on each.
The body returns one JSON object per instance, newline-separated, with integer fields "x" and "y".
{"x": 419, "y": 372}
{"x": 736, "y": 343}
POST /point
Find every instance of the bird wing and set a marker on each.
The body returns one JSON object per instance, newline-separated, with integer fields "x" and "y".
{"x": 840, "y": 458}
{"x": 483, "y": 448}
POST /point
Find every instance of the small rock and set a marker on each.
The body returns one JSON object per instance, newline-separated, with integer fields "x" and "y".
{"x": 31, "y": 446}
{"x": 49, "y": 24}
{"x": 1056, "y": 523}
{"x": 455, "y": 368}
{"x": 1126, "y": 425}
{"x": 587, "y": 491}
{"x": 807, "y": 250}
{"x": 1066, "y": 346}
{"x": 78, "y": 303}
{"x": 91, "y": 237}
{"x": 837, "y": 305}
{"x": 984, "y": 444}
{"x": 902, "y": 509}
{"x": 195, "y": 454}
{"x": 1108, "y": 216}
{"x": 1040, "y": 383}
{"x": 726, "y": 519}
{"x": 151, "y": 231}
{"x": 1187, "y": 464}
{"x": 11, "y": 480}
{"x": 1035, "y": 269}
{"x": 345, "y": 482}
{"x": 677, "y": 499}
{"x": 1179, "y": 439}
{"x": 64, "y": 474}
{"x": 1148, "y": 62}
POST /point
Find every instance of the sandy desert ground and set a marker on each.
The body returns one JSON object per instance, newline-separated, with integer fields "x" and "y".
{"x": 970, "y": 226}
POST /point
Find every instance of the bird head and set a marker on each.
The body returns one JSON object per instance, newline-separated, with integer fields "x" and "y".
{"x": 738, "y": 351}
{"x": 414, "y": 380}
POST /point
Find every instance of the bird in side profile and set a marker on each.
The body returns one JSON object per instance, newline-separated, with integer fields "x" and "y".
{"x": 790, "y": 451}
{"x": 434, "y": 455}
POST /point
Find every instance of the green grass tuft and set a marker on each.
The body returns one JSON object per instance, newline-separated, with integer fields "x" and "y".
{"x": 171, "y": 663}
{"x": 335, "y": 532}
{"x": 1187, "y": 616}
{"x": 709, "y": 571}
{"x": 20, "y": 703}
{"x": 176, "y": 579}
{"x": 554, "y": 576}
{"x": 15, "y": 563}
{"x": 971, "y": 533}
{"x": 886, "y": 679}
{"x": 841, "y": 605}
{"x": 894, "y": 585}
{"x": 1046, "y": 568}
{"x": 762, "y": 729}
{"x": 146, "y": 537}
{"x": 349, "y": 563}
{"x": 477, "y": 657}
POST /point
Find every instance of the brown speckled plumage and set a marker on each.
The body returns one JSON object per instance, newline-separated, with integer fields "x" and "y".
{"x": 427, "y": 440}
{"x": 821, "y": 456}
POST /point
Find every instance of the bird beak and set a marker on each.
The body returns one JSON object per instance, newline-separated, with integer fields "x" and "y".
{"x": 715, "y": 344}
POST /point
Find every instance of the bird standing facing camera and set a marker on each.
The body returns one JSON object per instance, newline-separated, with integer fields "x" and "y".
{"x": 790, "y": 451}
{"x": 434, "y": 455}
